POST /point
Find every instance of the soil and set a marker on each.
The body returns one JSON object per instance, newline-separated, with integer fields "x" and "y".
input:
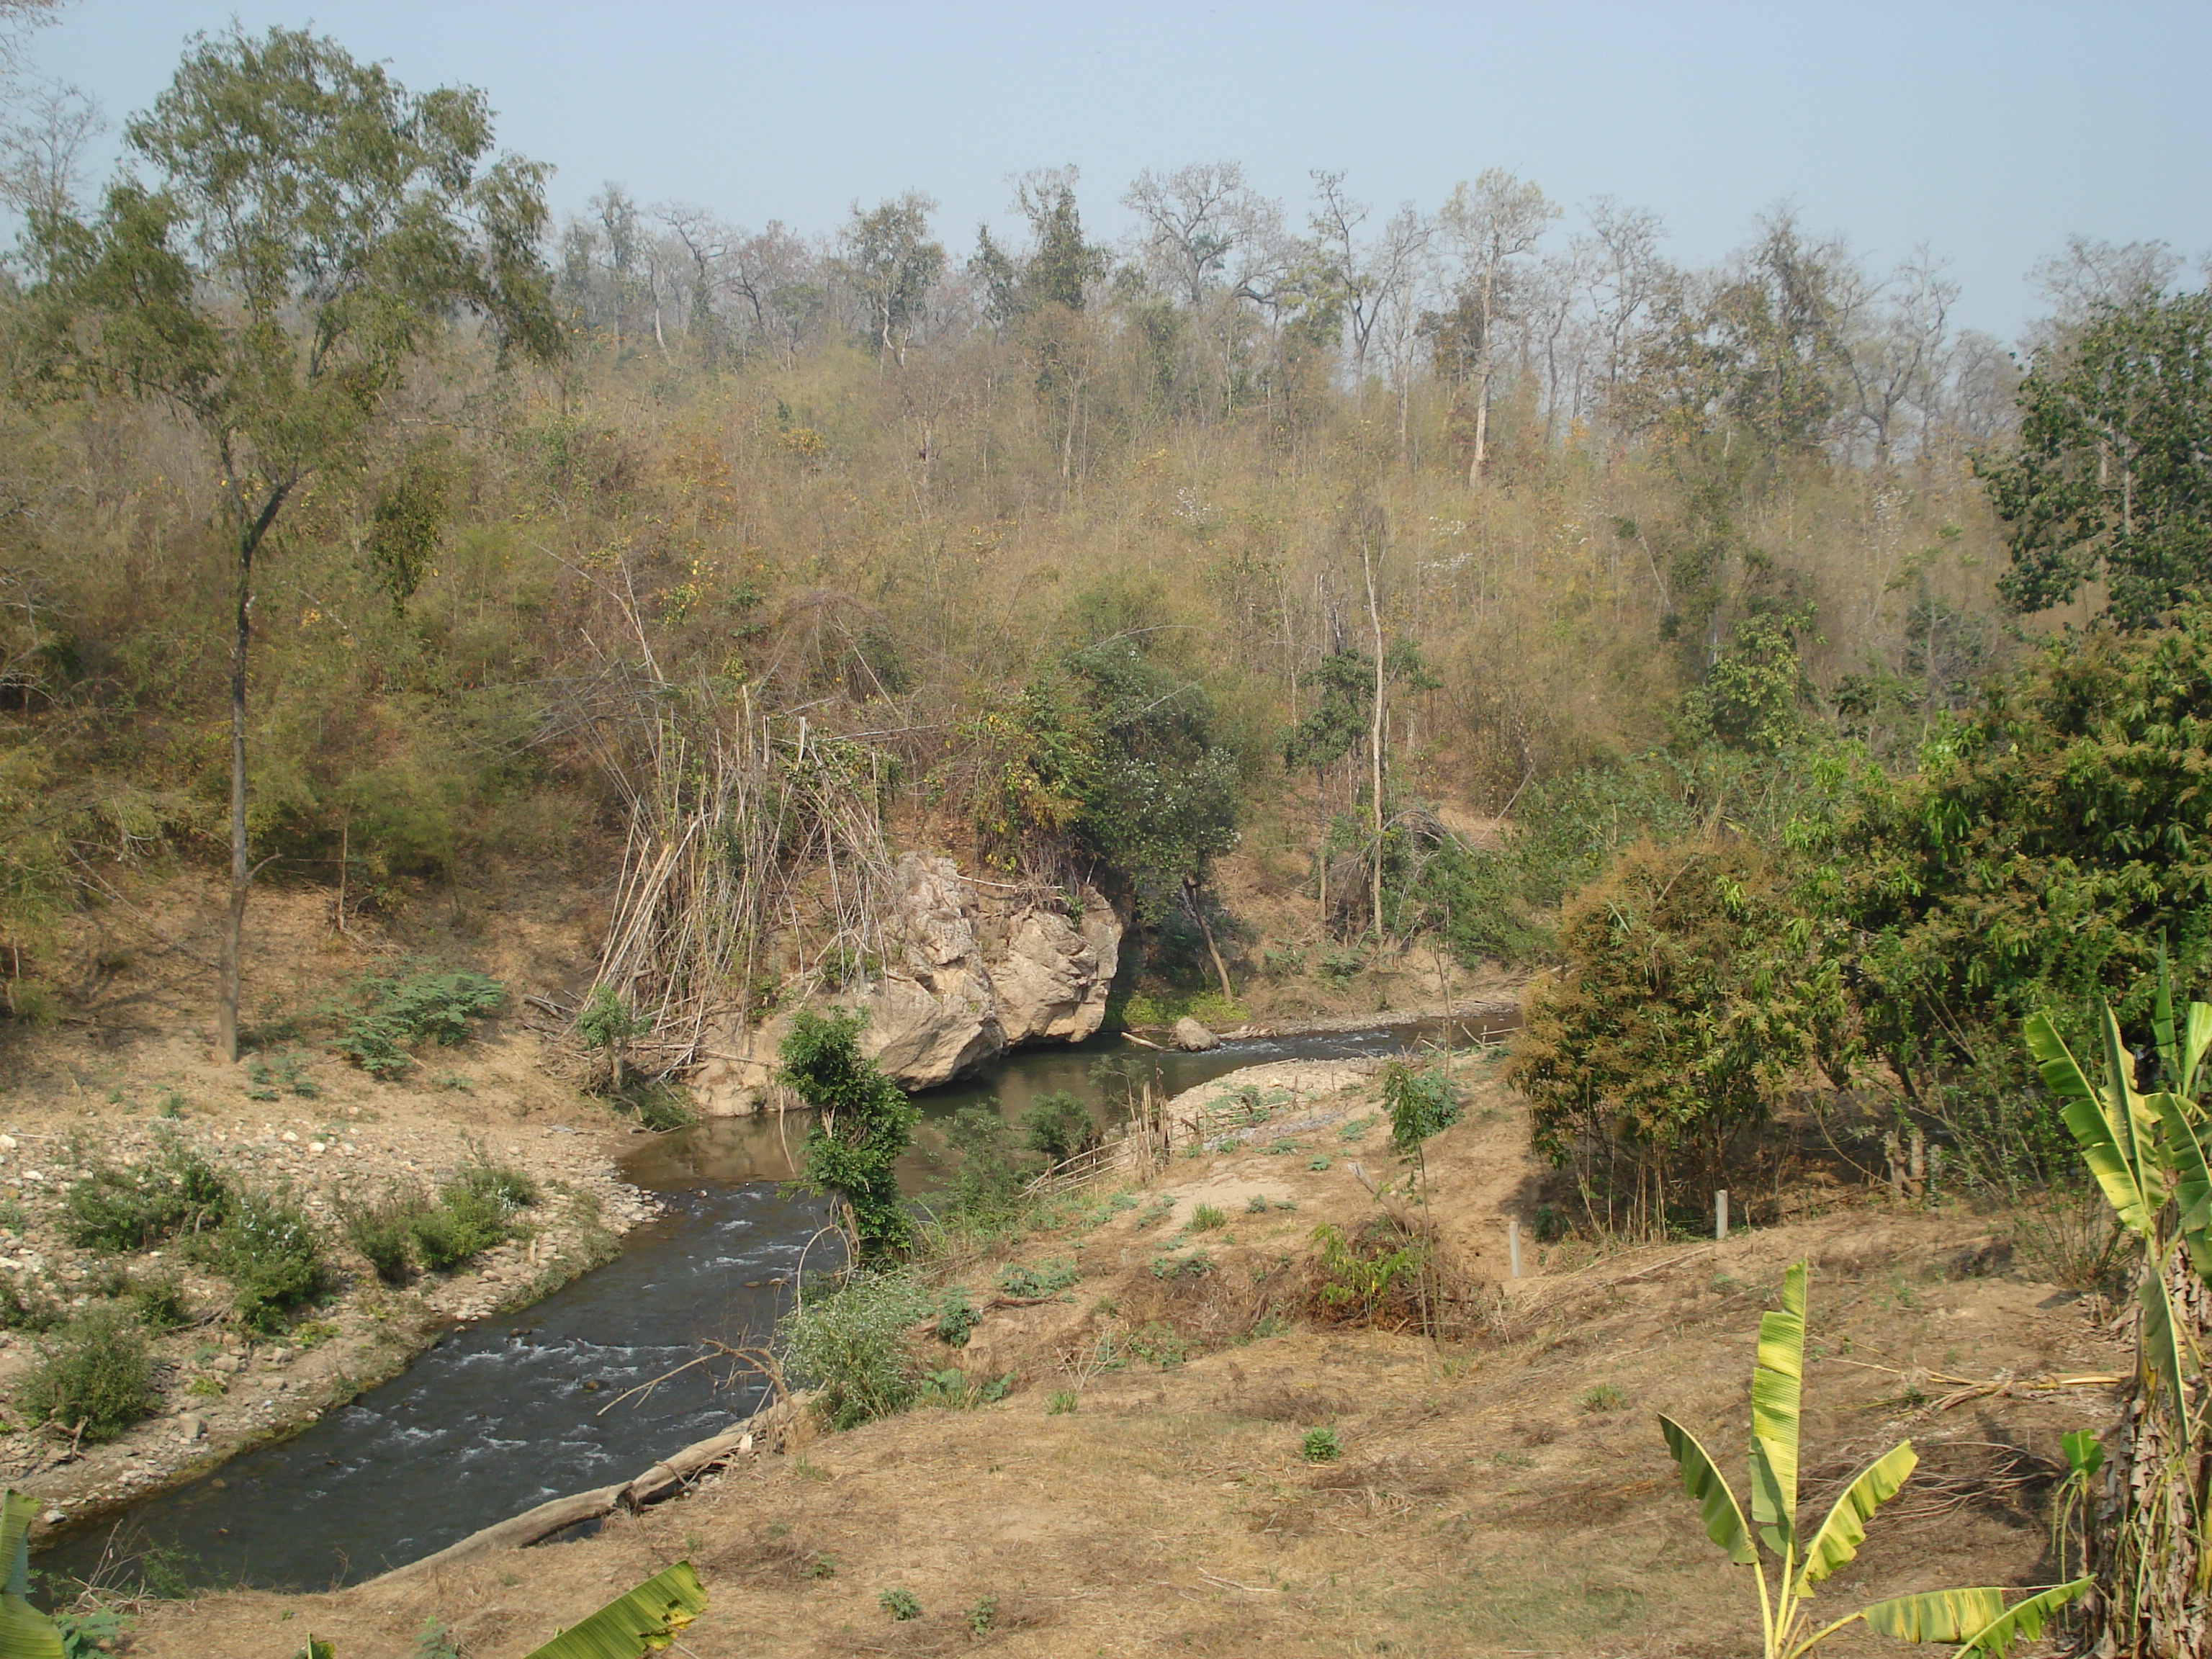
{"x": 1143, "y": 1486}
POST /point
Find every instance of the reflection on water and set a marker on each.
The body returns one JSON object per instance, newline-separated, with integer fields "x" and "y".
{"x": 507, "y": 1414}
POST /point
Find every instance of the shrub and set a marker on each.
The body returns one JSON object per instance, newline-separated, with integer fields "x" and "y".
{"x": 384, "y": 1232}
{"x": 1370, "y": 1277}
{"x": 900, "y": 1604}
{"x": 1060, "y": 1402}
{"x": 1420, "y": 1102}
{"x": 1686, "y": 997}
{"x": 273, "y": 1255}
{"x": 659, "y": 1106}
{"x": 956, "y": 1319}
{"x": 159, "y": 1302}
{"x": 866, "y": 1124}
{"x": 95, "y": 1372}
{"x": 851, "y": 1345}
{"x": 24, "y": 1307}
{"x": 426, "y": 1006}
{"x": 1320, "y": 1446}
{"x": 1207, "y": 1217}
{"x": 1046, "y": 1279}
{"x": 462, "y": 1223}
{"x": 136, "y": 1207}
{"x": 985, "y": 1195}
{"x": 1060, "y": 1127}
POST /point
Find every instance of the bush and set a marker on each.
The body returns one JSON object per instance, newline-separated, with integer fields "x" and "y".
{"x": 462, "y": 1223}
{"x": 273, "y": 1255}
{"x": 384, "y": 1232}
{"x": 1060, "y": 1127}
{"x": 159, "y": 1303}
{"x": 1320, "y": 1446}
{"x": 24, "y": 1307}
{"x": 95, "y": 1372}
{"x": 402, "y": 1013}
{"x": 985, "y": 1194}
{"x": 1687, "y": 995}
{"x": 956, "y": 1318}
{"x": 659, "y": 1106}
{"x": 866, "y": 1124}
{"x": 1046, "y": 1279}
{"x": 136, "y": 1207}
{"x": 1420, "y": 1102}
{"x": 851, "y": 1345}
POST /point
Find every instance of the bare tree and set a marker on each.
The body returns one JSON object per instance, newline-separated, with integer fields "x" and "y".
{"x": 1205, "y": 231}
{"x": 42, "y": 147}
{"x": 1898, "y": 359}
{"x": 1622, "y": 273}
{"x": 1367, "y": 277}
{"x": 1492, "y": 222}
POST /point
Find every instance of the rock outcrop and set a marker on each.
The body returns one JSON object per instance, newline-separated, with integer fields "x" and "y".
{"x": 969, "y": 972}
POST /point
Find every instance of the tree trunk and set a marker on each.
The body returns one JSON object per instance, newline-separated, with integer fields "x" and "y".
{"x": 1375, "y": 739}
{"x": 1206, "y": 931}
{"x": 226, "y": 1022}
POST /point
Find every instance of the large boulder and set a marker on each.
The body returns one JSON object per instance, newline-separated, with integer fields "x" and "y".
{"x": 1192, "y": 1037}
{"x": 967, "y": 975}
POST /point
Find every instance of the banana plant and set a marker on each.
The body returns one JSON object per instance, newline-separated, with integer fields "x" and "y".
{"x": 1976, "y": 1621}
{"x": 645, "y": 1620}
{"x": 25, "y": 1632}
{"x": 2147, "y": 1154}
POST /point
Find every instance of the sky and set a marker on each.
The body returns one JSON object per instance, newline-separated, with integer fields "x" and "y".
{"x": 1988, "y": 132}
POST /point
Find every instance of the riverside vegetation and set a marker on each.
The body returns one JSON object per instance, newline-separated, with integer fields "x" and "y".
{"x": 1813, "y": 692}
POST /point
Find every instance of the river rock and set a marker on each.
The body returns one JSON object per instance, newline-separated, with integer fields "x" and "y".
{"x": 1192, "y": 1037}
{"x": 192, "y": 1426}
{"x": 967, "y": 972}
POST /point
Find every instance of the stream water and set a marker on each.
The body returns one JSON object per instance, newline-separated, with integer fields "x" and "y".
{"x": 507, "y": 1413}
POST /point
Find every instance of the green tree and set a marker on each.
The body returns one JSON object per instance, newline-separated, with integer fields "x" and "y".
{"x": 311, "y": 229}
{"x": 1686, "y": 996}
{"x": 1755, "y": 695}
{"x": 887, "y": 258}
{"x": 2048, "y": 842}
{"x": 866, "y": 1124}
{"x": 2112, "y": 475}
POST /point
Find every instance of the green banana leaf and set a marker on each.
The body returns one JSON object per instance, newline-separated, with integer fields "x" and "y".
{"x": 2105, "y": 1137}
{"x": 2162, "y": 1343}
{"x": 1844, "y": 1529}
{"x": 2193, "y": 1192}
{"x": 25, "y": 1632}
{"x": 2085, "y": 1453}
{"x": 643, "y": 1621}
{"x": 1701, "y": 1482}
{"x": 2024, "y": 1619}
{"x": 1777, "y": 1380}
{"x": 2196, "y": 1038}
{"x": 2162, "y": 1022}
{"x": 1952, "y": 1615}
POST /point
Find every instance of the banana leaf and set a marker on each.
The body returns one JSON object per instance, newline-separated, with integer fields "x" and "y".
{"x": 2161, "y": 1342}
{"x": 2105, "y": 1136}
{"x": 1844, "y": 1529}
{"x": 2193, "y": 1192}
{"x": 1701, "y": 1482}
{"x": 2196, "y": 1037}
{"x": 2024, "y": 1619}
{"x": 1776, "y": 1382}
{"x": 643, "y": 1621}
{"x": 1952, "y": 1615}
{"x": 25, "y": 1632}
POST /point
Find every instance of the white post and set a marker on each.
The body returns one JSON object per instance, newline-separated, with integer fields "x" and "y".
{"x": 1720, "y": 1215}
{"x": 1513, "y": 1244}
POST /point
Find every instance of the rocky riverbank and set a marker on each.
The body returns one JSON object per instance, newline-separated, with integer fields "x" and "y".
{"x": 219, "y": 1389}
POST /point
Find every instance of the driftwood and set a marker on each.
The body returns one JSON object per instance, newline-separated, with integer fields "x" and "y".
{"x": 520, "y": 1532}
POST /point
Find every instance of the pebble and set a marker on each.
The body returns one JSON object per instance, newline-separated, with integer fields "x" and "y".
{"x": 192, "y": 1426}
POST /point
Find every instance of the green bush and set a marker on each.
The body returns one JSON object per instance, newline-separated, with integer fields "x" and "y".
{"x": 1421, "y": 1101}
{"x": 985, "y": 1194}
{"x": 956, "y": 1318}
{"x": 272, "y": 1255}
{"x": 659, "y": 1106}
{"x": 851, "y": 1344}
{"x": 866, "y": 1124}
{"x": 464, "y": 1222}
{"x": 1320, "y": 1446}
{"x": 135, "y": 1207}
{"x": 383, "y": 1232}
{"x": 94, "y": 1371}
{"x": 1060, "y": 1127}
{"x": 401, "y": 1012}
{"x": 1046, "y": 1279}
{"x": 159, "y": 1303}
{"x": 23, "y": 1307}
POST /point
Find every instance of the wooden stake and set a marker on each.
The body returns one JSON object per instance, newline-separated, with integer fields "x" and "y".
{"x": 1513, "y": 1244}
{"x": 1720, "y": 1215}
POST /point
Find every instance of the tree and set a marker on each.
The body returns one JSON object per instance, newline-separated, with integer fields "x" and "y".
{"x": 866, "y": 1126}
{"x": 888, "y": 260}
{"x": 2112, "y": 475}
{"x": 1494, "y": 221}
{"x": 311, "y": 229}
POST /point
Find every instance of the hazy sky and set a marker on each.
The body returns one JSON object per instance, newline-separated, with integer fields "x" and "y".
{"x": 1988, "y": 131}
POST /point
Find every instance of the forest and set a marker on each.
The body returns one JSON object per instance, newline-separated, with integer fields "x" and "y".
{"x": 1817, "y": 683}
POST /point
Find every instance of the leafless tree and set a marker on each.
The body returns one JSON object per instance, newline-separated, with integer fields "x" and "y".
{"x": 1493, "y": 223}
